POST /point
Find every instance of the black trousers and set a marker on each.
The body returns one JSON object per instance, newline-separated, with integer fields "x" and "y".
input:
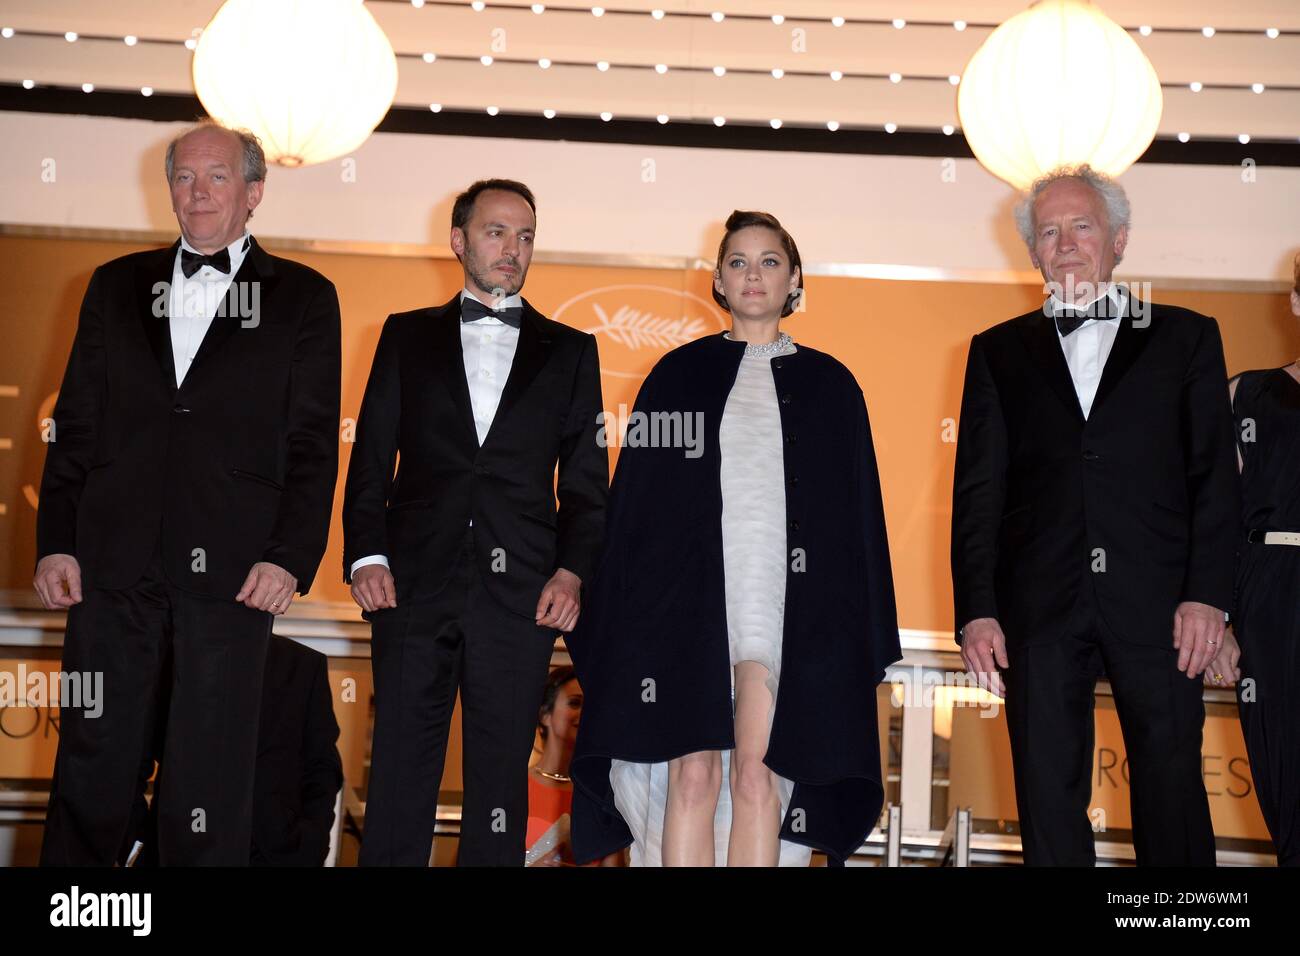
{"x": 1049, "y": 708}
{"x": 212, "y": 653}
{"x": 1268, "y": 694}
{"x": 421, "y": 654}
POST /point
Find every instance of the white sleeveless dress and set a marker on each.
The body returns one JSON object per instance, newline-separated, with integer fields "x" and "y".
{"x": 754, "y": 564}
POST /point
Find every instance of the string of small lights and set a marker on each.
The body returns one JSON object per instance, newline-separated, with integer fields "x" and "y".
{"x": 720, "y": 71}
{"x": 778, "y": 19}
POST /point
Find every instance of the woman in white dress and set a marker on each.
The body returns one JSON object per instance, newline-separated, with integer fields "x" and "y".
{"x": 758, "y": 280}
{"x": 743, "y": 614}
{"x": 679, "y": 811}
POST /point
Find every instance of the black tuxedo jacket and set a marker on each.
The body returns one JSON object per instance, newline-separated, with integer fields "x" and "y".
{"x": 417, "y": 403}
{"x": 236, "y": 466}
{"x": 1139, "y": 501}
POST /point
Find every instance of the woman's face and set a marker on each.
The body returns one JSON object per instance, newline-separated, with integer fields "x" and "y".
{"x": 756, "y": 276}
{"x": 562, "y": 722}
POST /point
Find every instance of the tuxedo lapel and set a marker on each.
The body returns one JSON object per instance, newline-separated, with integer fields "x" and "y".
{"x": 449, "y": 364}
{"x": 153, "y": 307}
{"x": 1129, "y": 342}
{"x": 257, "y": 267}
{"x": 1039, "y": 333}
{"x": 530, "y": 356}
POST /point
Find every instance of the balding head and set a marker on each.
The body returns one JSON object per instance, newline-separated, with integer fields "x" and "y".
{"x": 216, "y": 176}
{"x": 253, "y": 163}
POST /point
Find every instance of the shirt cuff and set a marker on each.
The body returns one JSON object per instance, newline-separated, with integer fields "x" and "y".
{"x": 370, "y": 559}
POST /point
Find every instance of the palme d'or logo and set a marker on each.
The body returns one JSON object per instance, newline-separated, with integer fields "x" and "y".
{"x": 636, "y": 324}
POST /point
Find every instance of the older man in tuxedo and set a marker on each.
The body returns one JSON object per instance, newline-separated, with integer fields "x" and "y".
{"x": 186, "y": 498}
{"x": 460, "y": 560}
{"x": 1094, "y": 529}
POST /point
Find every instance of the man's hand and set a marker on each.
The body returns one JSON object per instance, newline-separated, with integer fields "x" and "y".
{"x": 373, "y": 587}
{"x": 56, "y": 573}
{"x": 1223, "y": 669}
{"x": 984, "y": 649}
{"x": 559, "y": 604}
{"x": 1198, "y": 635}
{"x": 268, "y": 587}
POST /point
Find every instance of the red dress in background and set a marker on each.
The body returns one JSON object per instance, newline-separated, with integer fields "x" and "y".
{"x": 545, "y": 806}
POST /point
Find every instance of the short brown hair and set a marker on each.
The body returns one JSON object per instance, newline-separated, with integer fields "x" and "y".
{"x": 464, "y": 205}
{"x": 1295, "y": 280}
{"x": 744, "y": 219}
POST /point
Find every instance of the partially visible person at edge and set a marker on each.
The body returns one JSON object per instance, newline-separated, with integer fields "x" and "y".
{"x": 550, "y": 788}
{"x": 1266, "y": 406}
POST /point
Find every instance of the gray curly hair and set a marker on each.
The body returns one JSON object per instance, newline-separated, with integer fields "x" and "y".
{"x": 1118, "y": 212}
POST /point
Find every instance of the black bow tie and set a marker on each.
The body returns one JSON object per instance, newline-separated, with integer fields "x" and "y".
{"x": 1069, "y": 318}
{"x": 471, "y": 310}
{"x": 192, "y": 262}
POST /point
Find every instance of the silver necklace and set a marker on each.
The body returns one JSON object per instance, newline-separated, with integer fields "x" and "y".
{"x": 780, "y": 344}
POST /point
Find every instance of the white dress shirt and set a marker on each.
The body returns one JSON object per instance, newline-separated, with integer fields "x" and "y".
{"x": 195, "y": 300}
{"x": 1088, "y": 346}
{"x": 487, "y": 346}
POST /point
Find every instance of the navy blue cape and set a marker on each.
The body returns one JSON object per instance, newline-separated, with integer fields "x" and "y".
{"x": 651, "y": 648}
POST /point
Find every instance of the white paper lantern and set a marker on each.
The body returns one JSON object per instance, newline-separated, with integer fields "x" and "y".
{"x": 312, "y": 78}
{"x": 1058, "y": 83}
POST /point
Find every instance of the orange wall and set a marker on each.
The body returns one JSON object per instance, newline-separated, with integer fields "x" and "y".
{"x": 905, "y": 341}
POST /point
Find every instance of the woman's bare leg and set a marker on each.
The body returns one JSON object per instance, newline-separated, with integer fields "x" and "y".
{"x": 755, "y": 802}
{"x": 693, "y": 784}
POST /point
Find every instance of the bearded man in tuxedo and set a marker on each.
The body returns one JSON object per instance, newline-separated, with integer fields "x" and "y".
{"x": 460, "y": 560}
